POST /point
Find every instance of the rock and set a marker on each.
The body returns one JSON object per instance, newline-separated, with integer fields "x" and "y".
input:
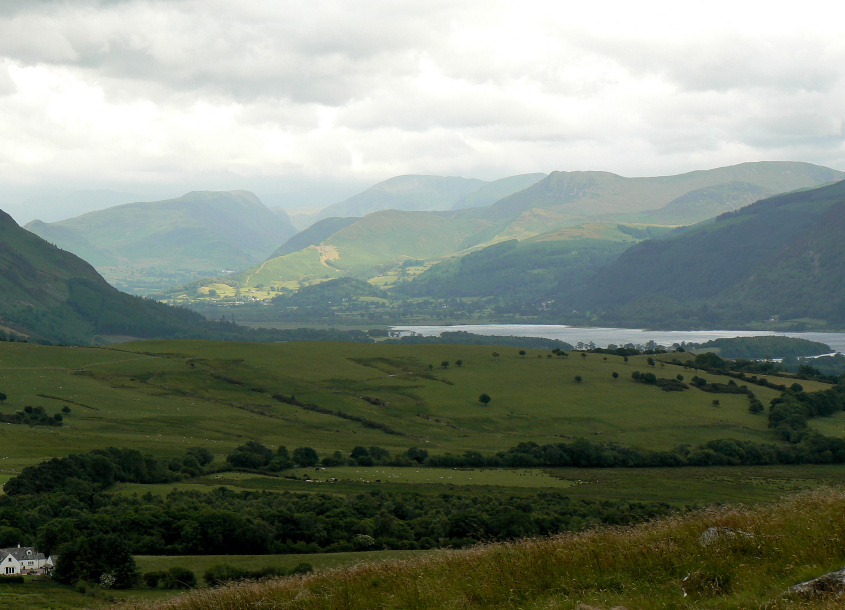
{"x": 714, "y": 534}
{"x": 830, "y": 584}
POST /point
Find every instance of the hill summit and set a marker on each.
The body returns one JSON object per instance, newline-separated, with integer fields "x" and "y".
{"x": 141, "y": 246}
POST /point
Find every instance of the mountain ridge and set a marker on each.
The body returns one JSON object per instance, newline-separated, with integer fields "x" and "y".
{"x": 753, "y": 264}
{"x": 175, "y": 240}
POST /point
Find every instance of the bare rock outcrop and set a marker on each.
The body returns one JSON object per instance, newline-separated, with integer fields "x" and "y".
{"x": 715, "y": 534}
{"x": 831, "y": 584}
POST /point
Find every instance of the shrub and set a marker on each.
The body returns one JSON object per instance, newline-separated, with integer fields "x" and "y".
{"x": 151, "y": 579}
{"x": 222, "y": 573}
{"x": 178, "y": 577}
{"x": 250, "y": 455}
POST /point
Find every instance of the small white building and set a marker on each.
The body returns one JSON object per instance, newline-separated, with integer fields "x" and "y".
{"x": 24, "y": 560}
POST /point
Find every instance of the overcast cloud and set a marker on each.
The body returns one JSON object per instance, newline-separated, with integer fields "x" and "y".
{"x": 281, "y": 97}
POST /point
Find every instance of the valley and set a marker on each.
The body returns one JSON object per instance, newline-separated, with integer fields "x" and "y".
{"x": 610, "y": 267}
{"x": 423, "y": 440}
{"x": 250, "y": 438}
{"x": 443, "y": 305}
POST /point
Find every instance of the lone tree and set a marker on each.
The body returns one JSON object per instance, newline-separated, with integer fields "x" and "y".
{"x": 522, "y": 353}
{"x": 615, "y": 375}
{"x": 458, "y": 362}
{"x": 305, "y": 456}
{"x": 445, "y": 364}
{"x": 484, "y": 399}
{"x": 578, "y": 379}
{"x": 2, "y": 397}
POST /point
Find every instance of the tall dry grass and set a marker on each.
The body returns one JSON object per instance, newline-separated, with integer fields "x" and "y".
{"x": 660, "y": 564}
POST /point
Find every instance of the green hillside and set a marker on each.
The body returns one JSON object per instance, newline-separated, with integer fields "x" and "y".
{"x": 160, "y": 396}
{"x": 413, "y": 193}
{"x": 377, "y": 246}
{"x": 73, "y": 241}
{"x": 393, "y": 236}
{"x": 532, "y": 270}
{"x": 146, "y": 246}
{"x": 592, "y": 194}
{"x": 757, "y": 555}
{"x": 198, "y": 453}
{"x": 706, "y": 202}
{"x": 777, "y": 259}
{"x": 313, "y": 235}
{"x": 51, "y": 295}
{"x": 493, "y": 191}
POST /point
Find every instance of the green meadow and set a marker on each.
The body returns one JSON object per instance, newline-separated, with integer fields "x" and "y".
{"x": 319, "y": 561}
{"x": 165, "y": 396}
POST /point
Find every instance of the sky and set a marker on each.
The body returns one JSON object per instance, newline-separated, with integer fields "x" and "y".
{"x": 307, "y": 103}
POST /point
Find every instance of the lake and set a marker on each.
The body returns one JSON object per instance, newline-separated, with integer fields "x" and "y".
{"x": 602, "y": 337}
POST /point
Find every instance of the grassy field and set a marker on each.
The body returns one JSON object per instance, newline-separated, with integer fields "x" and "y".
{"x": 319, "y": 561}
{"x": 163, "y": 397}
{"x": 678, "y": 486}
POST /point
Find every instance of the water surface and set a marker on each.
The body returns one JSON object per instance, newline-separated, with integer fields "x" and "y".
{"x": 603, "y": 337}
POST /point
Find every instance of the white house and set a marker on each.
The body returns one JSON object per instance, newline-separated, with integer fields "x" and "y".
{"x": 24, "y": 560}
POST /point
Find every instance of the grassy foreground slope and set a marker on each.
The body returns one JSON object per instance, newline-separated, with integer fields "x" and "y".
{"x": 661, "y": 564}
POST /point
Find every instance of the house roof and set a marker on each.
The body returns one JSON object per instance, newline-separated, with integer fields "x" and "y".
{"x": 23, "y": 553}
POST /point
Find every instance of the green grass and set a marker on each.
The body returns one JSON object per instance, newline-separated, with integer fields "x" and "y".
{"x": 443, "y": 476}
{"x": 320, "y": 561}
{"x": 163, "y": 397}
{"x": 682, "y": 487}
{"x": 661, "y": 564}
{"x": 39, "y": 592}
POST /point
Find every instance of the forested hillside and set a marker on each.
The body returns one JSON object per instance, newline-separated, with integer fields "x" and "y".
{"x": 777, "y": 259}
{"x": 532, "y": 270}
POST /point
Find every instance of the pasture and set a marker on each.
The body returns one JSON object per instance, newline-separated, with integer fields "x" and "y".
{"x": 165, "y": 396}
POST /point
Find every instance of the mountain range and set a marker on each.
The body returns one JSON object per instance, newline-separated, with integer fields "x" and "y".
{"x": 777, "y": 259}
{"x": 139, "y": 247}
{"x": 428, "y": 194}
{"x": 568, "y": 246}
{"x": 375, "y": 245}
